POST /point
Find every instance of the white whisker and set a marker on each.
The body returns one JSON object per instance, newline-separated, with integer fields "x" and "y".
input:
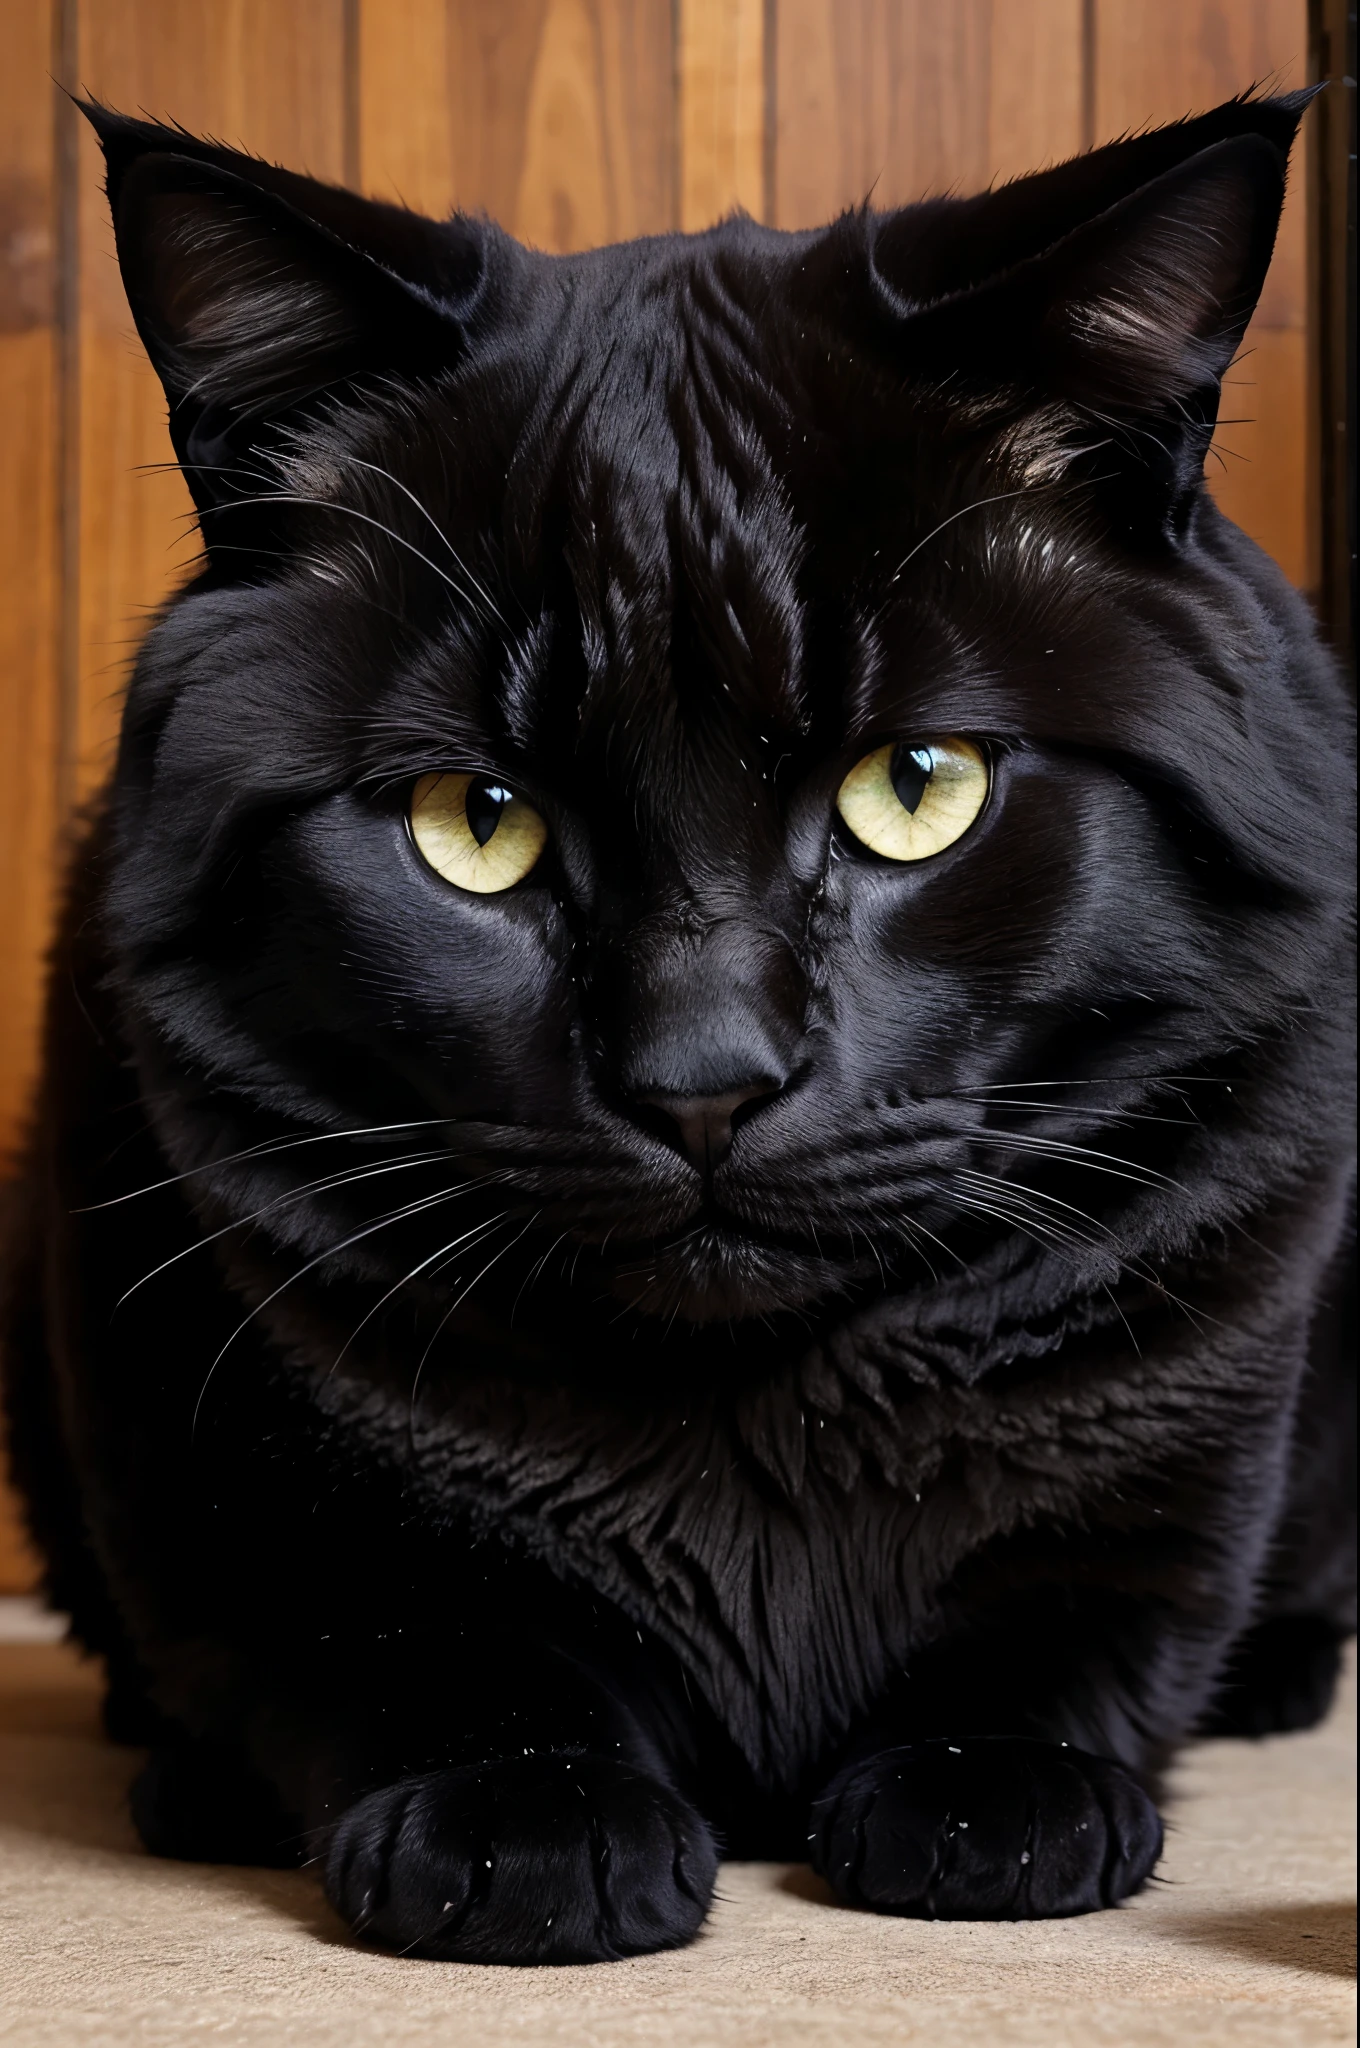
{"x": 314, "y": 1187}
{"x": 1084, "y": 1155}
{"x": 413, "y": 1274}
{"x": 425, "y": 513}
{"x": 331, "y": 1252}
{"x": 457, "y": 1302}
{"x": 266, "y": 1149}
{"x": 352, "y": 512}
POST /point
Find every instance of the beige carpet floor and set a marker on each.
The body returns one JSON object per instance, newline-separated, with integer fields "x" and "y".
{"x": 1249, "y": 1939}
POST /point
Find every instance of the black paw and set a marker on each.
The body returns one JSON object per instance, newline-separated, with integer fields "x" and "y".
{"x": 542, "y": 1859}
{"x": 200, "y": 1803}
{"x": 985, "y": 1830}
{"x": 1280, "y": 1677}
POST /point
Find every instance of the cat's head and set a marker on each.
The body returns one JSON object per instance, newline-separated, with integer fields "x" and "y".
{"x": 727, "y": 756}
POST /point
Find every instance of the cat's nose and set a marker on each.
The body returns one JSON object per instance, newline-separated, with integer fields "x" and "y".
{"x": 702, "y": 1125}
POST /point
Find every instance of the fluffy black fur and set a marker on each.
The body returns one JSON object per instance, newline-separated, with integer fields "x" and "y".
{"x": 471, "y": 1478}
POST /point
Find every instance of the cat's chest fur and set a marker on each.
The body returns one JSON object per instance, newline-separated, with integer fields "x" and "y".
{"x": 793, "y": 1543}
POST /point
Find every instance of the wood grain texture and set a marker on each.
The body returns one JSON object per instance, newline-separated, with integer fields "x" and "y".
{"x": 1154, "y": 60}
{"x": 29, "y": 549}
{"x": 30, "y": 556}
{"x": 721, "y": 83}
{"x": 261, "y": 77}
{"x": 29, "y": 700}
{"x": 881, "y": 98}
{"x": 556, "y": 117}
{"x": 1258, "y": 465}
{"x": 896, "y": 99}
{"x": 1035, "y": 85}
{"x": 406, "y": 120}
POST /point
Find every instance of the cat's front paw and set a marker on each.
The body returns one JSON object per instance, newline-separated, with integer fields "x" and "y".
{"x": 985, "y": 1830}
{"x": 540, "y": 1859}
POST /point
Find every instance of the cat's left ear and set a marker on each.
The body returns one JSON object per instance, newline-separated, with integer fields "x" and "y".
{"x": 257, "y": 292}
{"x": 1124, "y": 328}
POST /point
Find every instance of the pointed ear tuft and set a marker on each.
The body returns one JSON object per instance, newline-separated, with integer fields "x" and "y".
{"x": 239, "y": 305}
{"x": 255, "y": 291}
{"x": 1130, "y": 320}
{"x": 928, "y": 251}
{"x": 1149, "y": 304}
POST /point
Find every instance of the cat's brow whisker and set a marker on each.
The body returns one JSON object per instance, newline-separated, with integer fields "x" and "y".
{"x": 353, "y": 512}
{"x": 977, "y": 504}
{"x": 313, "y": 567}
{"x": 426, "y": 514}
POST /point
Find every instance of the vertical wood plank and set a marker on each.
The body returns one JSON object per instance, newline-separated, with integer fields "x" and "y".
{"x": 29, "y": 548}
{"x": 493, "y": 53}
{"x": 266, "y": 78}
{"x": 940, "y": 137}
{"x": 1035, "y": 85}
{"x": 30, "y": 555}
{"x": 895, "y": 99}
{"x": 1258, "y": 464}
{"x": 407, "y": 104}
{"x": 592, "y": 170}
{"x": 1155, "y": 60}
{"x": 556, "y": 117}
{"x": 901, "y": 107}
{"x": 271, "y": 79}
{"x": 720, "y": 76}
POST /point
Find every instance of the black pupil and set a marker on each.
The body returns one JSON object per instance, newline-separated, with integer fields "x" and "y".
{"x": 911, "y": 770}
{"x": 483, "y": 806}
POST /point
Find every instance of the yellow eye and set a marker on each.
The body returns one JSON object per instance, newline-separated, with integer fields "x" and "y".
{"x": 907, "y": 802}
{"x": 474, "y": 832}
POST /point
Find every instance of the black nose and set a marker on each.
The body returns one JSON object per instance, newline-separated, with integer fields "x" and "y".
{"x": 704, "y": 1123}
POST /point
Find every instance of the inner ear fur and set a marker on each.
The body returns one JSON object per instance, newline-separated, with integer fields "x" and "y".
{"x": 242, "y": 302}
{"x": 1129, "y": 322}
{"x": 932, "y": 250}
{"x": 1149, "y": 304}
{"x": 1136, "y": 308}
{"x": 256, "y": 290}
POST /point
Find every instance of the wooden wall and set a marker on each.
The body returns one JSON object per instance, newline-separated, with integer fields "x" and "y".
{"x": 573, "y": 122}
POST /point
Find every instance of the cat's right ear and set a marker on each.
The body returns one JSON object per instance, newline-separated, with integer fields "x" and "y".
{"x": 257, "y": 292}
{"x": 1111, "y": 347}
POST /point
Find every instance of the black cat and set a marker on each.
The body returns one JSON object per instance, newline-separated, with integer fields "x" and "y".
{"x": 693, "y": 1178}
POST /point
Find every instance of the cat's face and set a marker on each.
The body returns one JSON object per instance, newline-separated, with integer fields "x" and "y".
{"x": 681, "y": 774}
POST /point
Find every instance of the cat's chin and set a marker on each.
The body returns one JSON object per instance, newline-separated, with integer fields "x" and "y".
{"x": 713, "y": 1274}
